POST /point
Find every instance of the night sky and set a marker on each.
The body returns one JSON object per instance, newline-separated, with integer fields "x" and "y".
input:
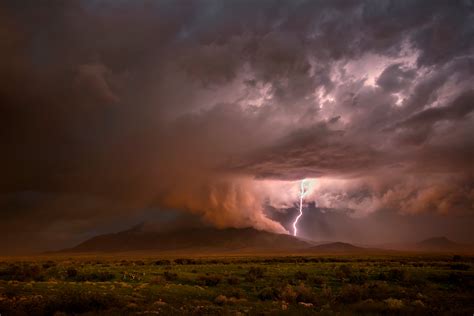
{"x": 115, "y": 113}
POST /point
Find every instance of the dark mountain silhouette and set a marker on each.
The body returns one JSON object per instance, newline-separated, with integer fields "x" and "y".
{"x": 434, "y": 244}
{"x": 210, "y": 239}
{"x": 337, "y": 247}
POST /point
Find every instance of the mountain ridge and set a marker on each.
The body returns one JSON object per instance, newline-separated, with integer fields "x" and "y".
{"x": 211, "y": 238}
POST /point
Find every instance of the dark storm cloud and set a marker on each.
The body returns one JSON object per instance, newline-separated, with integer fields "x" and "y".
{"x": 460, "y": 107}
{"x": 313, "y": 152}
{"x": 111, "y": 107}
{"x": 394, "y": 78}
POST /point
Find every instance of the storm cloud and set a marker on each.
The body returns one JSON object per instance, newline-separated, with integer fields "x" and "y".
{"x": 115, "y": 110}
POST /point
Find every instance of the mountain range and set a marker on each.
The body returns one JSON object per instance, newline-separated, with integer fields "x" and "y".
{"x": 213, "y": 240}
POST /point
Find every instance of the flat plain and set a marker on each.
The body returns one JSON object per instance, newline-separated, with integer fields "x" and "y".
{"x": 257, "y": 284}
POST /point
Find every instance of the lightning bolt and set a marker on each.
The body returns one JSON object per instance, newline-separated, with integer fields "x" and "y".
{"x": 303, "y": 191}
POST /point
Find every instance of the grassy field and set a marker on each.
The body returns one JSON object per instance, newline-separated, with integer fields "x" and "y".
{"x": 255, "y": 285}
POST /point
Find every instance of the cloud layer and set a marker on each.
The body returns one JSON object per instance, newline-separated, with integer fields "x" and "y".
{"x": 113, "y": 108}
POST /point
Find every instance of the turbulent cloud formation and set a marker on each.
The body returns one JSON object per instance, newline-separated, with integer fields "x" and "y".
{"x": 111, "y": 109}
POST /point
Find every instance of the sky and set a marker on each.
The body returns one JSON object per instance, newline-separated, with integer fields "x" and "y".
{"x": 116, "y": 113}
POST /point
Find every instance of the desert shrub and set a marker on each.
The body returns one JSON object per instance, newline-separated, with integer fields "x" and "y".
{"x": 350, "y": 294}
{"x": 210, "y": 280}
{"x": 237, "y": 293}
{"x": 456, "y": 279}
{"x": 394, "y": 303}
{"x": 71, "y": 273}
{"x": 184, "y": 261}
{"x": 100, "y": 276}
{"x": 379, "y": 290}
{"x": 233, "y": 280}
{"x": 460, "y": 266}
{"x": 170, "y": 276}
{"x": 162, "y": 262}
{"x": 393, "y": 275}
{"x": 396, "y": 275}
{"x": 23, "y": 272}
{"x": 300, "y": 275}
{"x": 139, "y": 263}
{"x": 318, "y": 281}
{"x": 77, "y": 301}
{"x": 255, "y": 273}
{"x": 268, "y": 294}
{"x": 369, "y": 306}
{"x": 358, "y": 278}
{"x": 304, "y": 294}
{"x": 326, "y": 293}
{"x": 49, "y": 264}
{"x": 288, "y": 294}
{"x": 10, "y": 291}
{"x": 344, "y": 271}
{"x": 157, "y": 280}
{"x": 457, "y": 258}
{"x": 221, "y": 300}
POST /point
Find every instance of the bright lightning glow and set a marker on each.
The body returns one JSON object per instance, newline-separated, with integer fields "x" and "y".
{"x": 303, "y": 191}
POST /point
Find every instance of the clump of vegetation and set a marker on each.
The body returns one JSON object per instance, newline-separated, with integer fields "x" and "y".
{"x": 301, "y": 276}
{"x": 344, "y": 271}
{"x": 268, "y": 294}
{"x": 365, "y": 285}
{"x": 396, "y": 275}
{"x": 210, "y": 279}
{"x": 255, "y": 273}
{"x": 49, "y": 264}
{"x": 350, "y": 294}
{"x": 233, "y": 280}
{"x": 184, "y": 261}
{"x": 170, "y": 276}
{"x": 78, "y": 301}
{"x": 318, "y": 281}
{"x": 71, "y": 273}
{"x": 99, "y": 276}
{"x": 157, "y": 280}
{"x": 394, "y": 303}
{"x": 96, "y": 276}
{"x": 23, "y": 272}
{"x": 460, "y": 266}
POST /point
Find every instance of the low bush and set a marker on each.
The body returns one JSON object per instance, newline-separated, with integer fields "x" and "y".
{"x": 170, "y": 276}
{"x": 210, "y": 280}
{"x": 350, "y": 294}
{"x": 460, "y": 266}
{"x": 24, "y": 272}
{"x": 396, "y": 275}
{"x": 77, "y": 301}
{"x": 162, "y": 262}
{"x": 344, "y": 271}
{"x": 98, "y": 276}
{"x": 233, "y": 280}
{"x": 184, "y": 261}
{"x": 255, "y": 273}
{"x": 318, "y": 281}
{"x": 268, "y": 294}
{"x": 300, "y": 275}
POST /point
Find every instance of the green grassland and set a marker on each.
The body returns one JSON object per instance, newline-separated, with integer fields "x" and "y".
{"x": 238, "y": 285}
